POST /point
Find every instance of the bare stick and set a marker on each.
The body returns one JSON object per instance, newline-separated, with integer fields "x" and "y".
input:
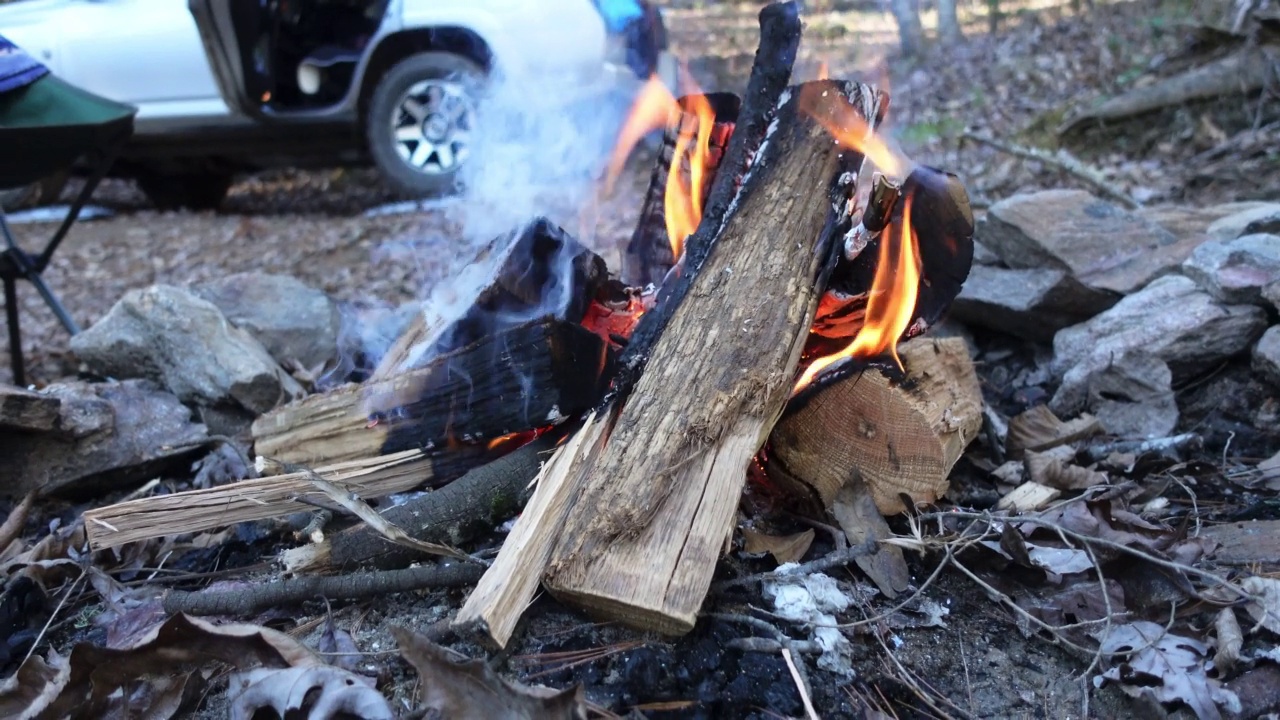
{"x": 1064, "y": 161}
{"x": 337, "y": 587}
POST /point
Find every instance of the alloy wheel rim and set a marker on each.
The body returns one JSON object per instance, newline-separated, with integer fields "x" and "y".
{"x": 432, "y": 126}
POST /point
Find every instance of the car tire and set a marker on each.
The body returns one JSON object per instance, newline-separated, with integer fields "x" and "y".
{"x": 421, "y": 155}
{"x": 189, "y": 191}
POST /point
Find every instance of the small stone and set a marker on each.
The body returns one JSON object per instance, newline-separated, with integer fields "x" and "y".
{"x": 1104, "y": 246}
{"x": 166, "y": 334}
{"x": 1172, "y": 319}
{"x": 1266, "y": 356}
{"x": 1236, "y": 271}
{"x": 982, "y": 255}
{"x": 1237, "y": 224}
{"x": 1030, "y": 304}
{"x": 293, "y": 321}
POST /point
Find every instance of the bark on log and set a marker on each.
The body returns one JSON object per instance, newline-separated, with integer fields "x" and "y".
{"x": 508, "y": 586}
{"x": 524, "y": 378}
{"x": 521, "y": 274}
{"x": 897, "y": 437}
{"x": 641, "y": 543}
{"x": 474, "y": 503}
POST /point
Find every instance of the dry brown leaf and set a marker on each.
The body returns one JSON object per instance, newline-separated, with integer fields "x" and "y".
{"x": 1028, "y": 497}
{"x": 27, "y": 692}
{"x": 320, "y": 691}
{"x": 783, "y": 548}
{"x": 1230, "y": 640}
{"x": 386, "y": 528}
{"x": 452, "y": 688}
{"x": 856, "y": 511}
{"x": 1264, "y": 606}
{"x": 1056, "y": 468}
{"x": 174, "y": 648}
{"x": 1038, "y": 429}
{"x": 1170, "y": 667}
{"x": 1077, "y": 602}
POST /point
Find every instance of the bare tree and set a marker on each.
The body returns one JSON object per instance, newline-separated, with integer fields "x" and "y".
{"x": 948, "y": 26}
{"x": 910, "y": 31}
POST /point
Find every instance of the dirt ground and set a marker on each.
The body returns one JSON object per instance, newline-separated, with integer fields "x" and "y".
{"x": 313, "y": 225}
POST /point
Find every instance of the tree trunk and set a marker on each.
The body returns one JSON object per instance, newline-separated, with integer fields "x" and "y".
{"x": 948, "y": 24}
{"x": 910, "y": 31}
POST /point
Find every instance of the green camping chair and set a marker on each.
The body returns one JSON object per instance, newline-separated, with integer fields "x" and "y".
{"x": 46, "y": 126}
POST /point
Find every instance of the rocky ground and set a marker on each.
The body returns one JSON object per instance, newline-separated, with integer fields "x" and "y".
{"x": 1156, "y": 323}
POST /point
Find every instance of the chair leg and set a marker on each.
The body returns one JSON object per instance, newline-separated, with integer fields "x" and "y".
{"x": 15, "y": 332}
{"x": 54, "y": 303}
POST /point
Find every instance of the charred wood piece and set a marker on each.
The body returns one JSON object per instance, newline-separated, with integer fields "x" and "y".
{"x": 649, "y": 256}
{"x": 522, "y": 378}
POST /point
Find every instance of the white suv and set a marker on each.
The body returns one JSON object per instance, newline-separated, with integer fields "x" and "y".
{"x": 224, "y": 86}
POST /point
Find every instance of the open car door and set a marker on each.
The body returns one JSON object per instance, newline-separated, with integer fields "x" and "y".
{"x": 288, "y": 59}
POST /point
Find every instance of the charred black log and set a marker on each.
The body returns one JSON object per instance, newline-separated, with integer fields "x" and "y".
{"x": 649, "y": 255}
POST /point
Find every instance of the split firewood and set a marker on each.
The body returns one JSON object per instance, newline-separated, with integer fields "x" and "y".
{"x": 899, "y": 438}
{"x": 507, "y": 278}
{"x": 22, "y": 409}
{"x": 656, "y": 490}
{"x": 556, "y": 370}
{"x": 257, "y": 499}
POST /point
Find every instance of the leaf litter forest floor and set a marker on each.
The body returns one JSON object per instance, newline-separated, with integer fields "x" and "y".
{"x": 955, "y": 652}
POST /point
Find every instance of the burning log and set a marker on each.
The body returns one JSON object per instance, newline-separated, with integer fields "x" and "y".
{"x": 898, "y": 437}
{"x": 537, "y": 270}
{"x": 698, "y": 138}
{"x": 520, "y": 379}
{"x": 631, "y": 515}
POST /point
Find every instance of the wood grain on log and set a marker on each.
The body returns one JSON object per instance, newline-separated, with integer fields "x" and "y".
{"x": 257, "y": 499}
{"x": 575, "y": 481}
{"x": 657, "y": 506}
{"x": 898, "y": 438}
{"x": 22, "y": 409}
{"x": 523, "y": 378}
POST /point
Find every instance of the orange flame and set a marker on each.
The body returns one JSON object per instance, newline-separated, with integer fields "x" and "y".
{"x": 890, "y": 304}
{"x": 652, "y": 110}
{"x": 833, "y": 112}
{"x": 682, "y": 201}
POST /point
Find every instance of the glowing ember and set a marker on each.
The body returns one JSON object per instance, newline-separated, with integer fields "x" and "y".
{"x": 890, "y": 304}
{"x": 833, "y": 112}
{"x": 683, "y": 198}
{"x": 653, "y": 110}
{"x": 511, "y": 441}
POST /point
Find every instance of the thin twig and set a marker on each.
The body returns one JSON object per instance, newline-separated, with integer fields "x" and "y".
{"x": 804, "y": 693}
{"x": 1062, "y": 160}
{"x": 835, "y": 559}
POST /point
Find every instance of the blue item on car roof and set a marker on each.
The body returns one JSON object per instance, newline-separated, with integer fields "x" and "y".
{"x": 17, "y": 68}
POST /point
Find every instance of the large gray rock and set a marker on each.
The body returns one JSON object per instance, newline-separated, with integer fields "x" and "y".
{"x": 1235, "y": 271}
{"x": 166, "y": 334}
{"x": 1104, "y": 246}
{"x": 1266, "y": 356}
{"x": 1258, "y": 218}
{"x": 1132, "y": 396}
{"x": 108, "y": 435}
{"x": 292, "y": 320}
{"x": 1032, "y": 304}
{"x": 1172, "y": 318}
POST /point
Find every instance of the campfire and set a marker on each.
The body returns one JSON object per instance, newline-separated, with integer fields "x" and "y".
{"x": 767, "y": 320}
